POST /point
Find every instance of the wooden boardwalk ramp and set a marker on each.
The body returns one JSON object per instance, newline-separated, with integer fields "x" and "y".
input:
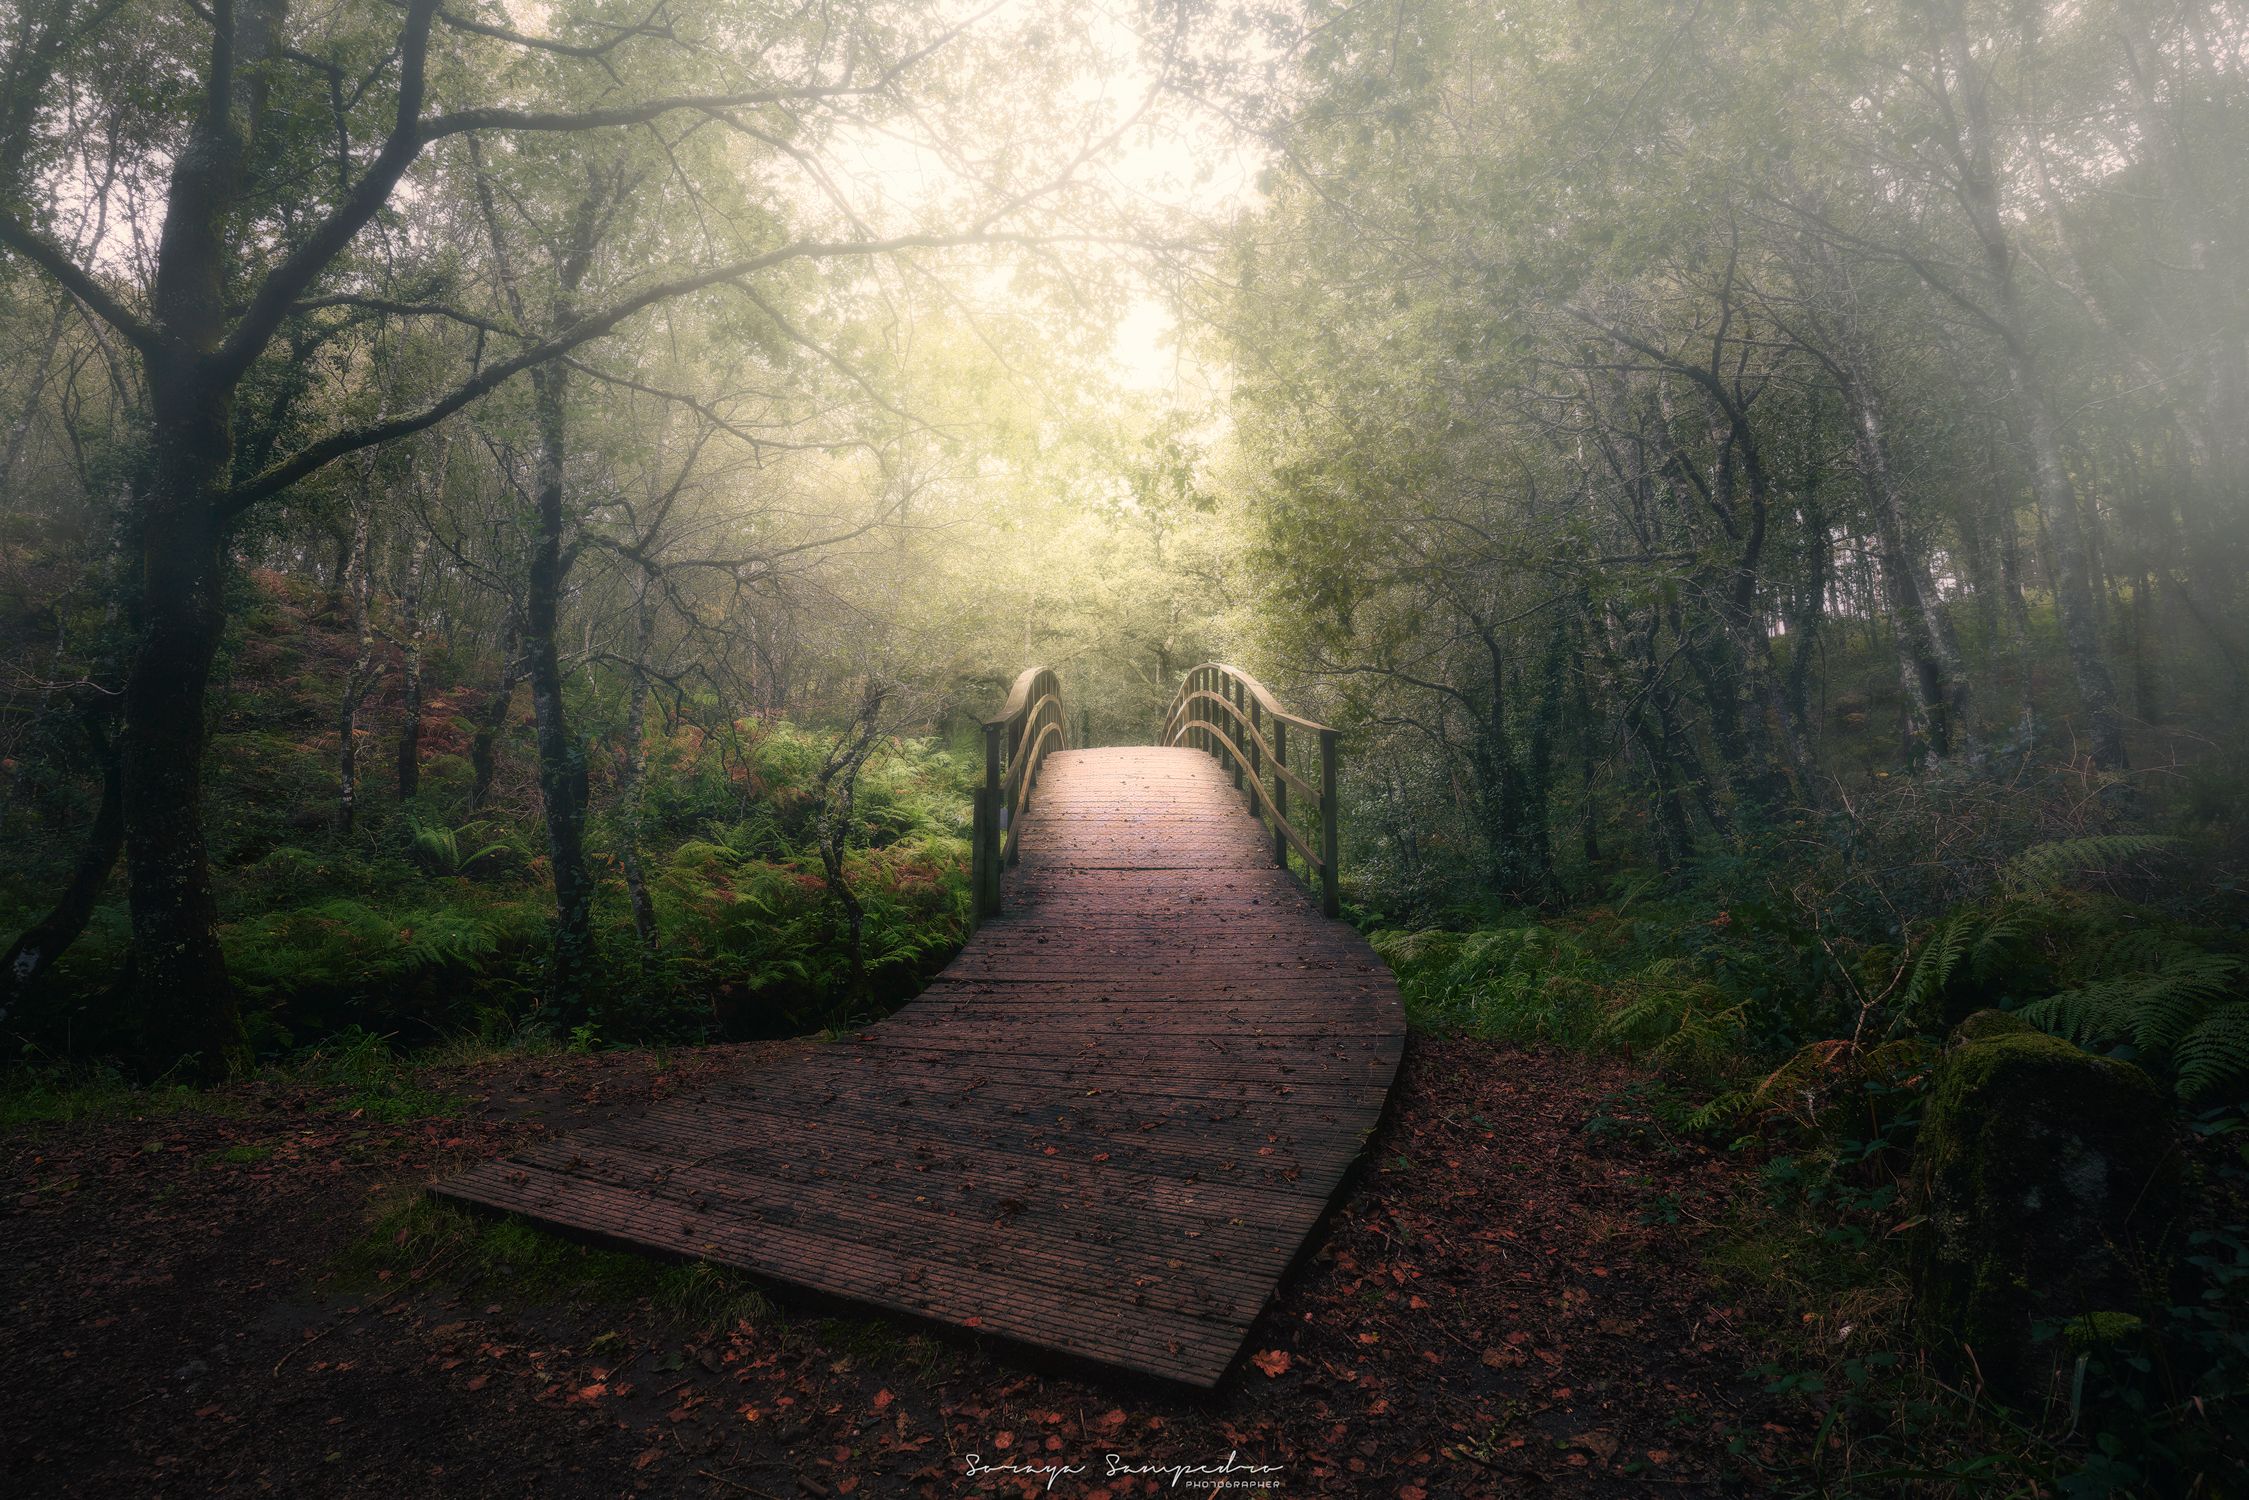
{"x": 1105, "y": 1130}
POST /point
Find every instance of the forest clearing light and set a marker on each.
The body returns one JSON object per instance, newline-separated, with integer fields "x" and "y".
{"x": 1175, "y": 164}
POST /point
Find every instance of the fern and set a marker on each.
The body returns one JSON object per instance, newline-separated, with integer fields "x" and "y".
{"x": 2215, "y": 1053}
{"x": 2168, "y": 1000}
{"x": 1726, "y": 1110}
{"x": 1999, "y": 933}
{"x": 2044, "y": 867}
{"x": 1940, "y": 955}
{"x": 2154, "y": 1010}
{"x": 1969, "y": 943}
{"x": 1685, "y": 1023}
{"x": 438, "y": 849}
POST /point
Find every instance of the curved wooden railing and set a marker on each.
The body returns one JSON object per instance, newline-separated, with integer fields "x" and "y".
{"x": 1030, "y": 724}
{"x": 1227, "y": 712}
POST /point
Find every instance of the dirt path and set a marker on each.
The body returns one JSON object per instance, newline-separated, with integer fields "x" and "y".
{"x": 1507, "y": 1302}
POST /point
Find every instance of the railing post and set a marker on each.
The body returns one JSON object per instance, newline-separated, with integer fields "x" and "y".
{"x": 1280, "y": 793}
{"x": 1331, "y": 900}
{"x": 988, "y": 864}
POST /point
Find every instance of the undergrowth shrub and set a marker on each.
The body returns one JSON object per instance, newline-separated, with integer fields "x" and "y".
{"x": 1796, "y": 988}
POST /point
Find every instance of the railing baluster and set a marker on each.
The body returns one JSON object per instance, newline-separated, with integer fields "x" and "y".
{"x": 1256, "y": 758}
{"x": 987, "y": 850}
{"x": 1280, "y": 793}
{"x": 1331, "y": 900}
{"x": 1234, "y": 696}
{"x": 1232, "y": 717}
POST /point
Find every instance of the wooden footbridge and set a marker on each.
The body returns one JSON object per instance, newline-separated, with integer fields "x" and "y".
{"x": 1111, "y": 1124}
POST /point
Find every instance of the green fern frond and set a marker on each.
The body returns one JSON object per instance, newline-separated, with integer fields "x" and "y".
{"x": 2167, "y": 1004}
{"x": 2043, "y": 867}
{"x": 2156, "y": 1009}
{"x": 2215, "y": 1053}
{"x": 2135, "y": 950}
{"x": 1940, "y": 955}
{"x": 1993, "y": 945}
{"x": 1726, "y": 1110}
{"x": 2089, "y": 1014}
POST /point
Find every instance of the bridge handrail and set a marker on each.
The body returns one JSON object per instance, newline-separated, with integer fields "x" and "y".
{"x": 1028, "y": 727}
{"x": 1223, "y": 710}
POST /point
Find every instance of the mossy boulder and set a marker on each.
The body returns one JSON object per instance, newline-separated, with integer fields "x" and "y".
{"x": 1985, "y": 1024}
{"x": 2049, "y": 1179}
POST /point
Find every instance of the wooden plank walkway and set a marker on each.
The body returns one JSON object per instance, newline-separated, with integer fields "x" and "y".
{"x": 1105, "y": 1130}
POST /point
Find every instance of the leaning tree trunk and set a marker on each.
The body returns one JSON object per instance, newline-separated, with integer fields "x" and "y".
{"x": 35, "y": 952}
{"x": 19, "y": 432}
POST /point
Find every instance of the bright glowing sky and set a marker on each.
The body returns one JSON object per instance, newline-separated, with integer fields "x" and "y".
{"x": 1177, "y": 160}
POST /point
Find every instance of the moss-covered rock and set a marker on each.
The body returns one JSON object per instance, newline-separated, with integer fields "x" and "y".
{"x": 1990, "y": 1023}
{"x": 2102, "y": 1330}
{"x": 2049, "y": 1180}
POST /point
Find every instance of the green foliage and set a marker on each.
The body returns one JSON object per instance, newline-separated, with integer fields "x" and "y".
{"x": 315, "y": 967}
{"x": 1683, "y": 1022}
{"x": 441, "y": 1244}
{"x": 34, "y": 1092}
{"x": 377, "y": 1084}
{"x": 2044, "y": 867}
{"x": 2177, "y": 1005}
{"x": 1514, "y": 983}
{"x": 445, "y": 851}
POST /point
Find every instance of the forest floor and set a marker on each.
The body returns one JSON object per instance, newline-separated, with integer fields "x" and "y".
{"x": 246, "y": 1292}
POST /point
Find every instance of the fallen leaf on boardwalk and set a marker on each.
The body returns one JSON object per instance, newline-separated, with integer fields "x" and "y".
{"x": 1274, "y": 1362}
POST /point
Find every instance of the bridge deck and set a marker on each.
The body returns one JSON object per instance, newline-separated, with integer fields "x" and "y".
{"x": 1104, "y": 1130}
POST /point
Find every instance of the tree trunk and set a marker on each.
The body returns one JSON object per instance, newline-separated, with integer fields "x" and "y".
{"x": 1499, "y": 779}
{"x": 1978, "y": 156}
{"x": 562, "y": 759}
{"x": 631, "y": 794}
{"x": 19, "y": 431}
{"x": 484, "y": 750}
{"x": 1929, "y": 663}
{"x": 410, "y": 672}
{"x": 36, "y": 951}
{"x": 185, "y": 1003}
{"x": 362, "y": 675}
{"x": 838, "y": 792}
